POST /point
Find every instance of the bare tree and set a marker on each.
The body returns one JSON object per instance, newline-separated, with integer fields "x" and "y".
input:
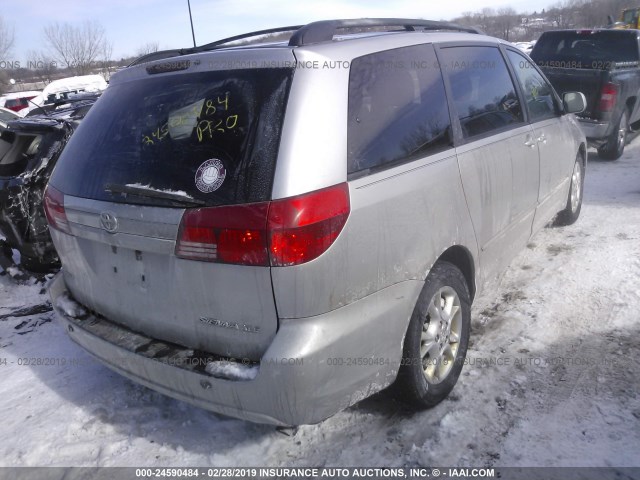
{"x": 6, "y": 38}
{"x": 148, "y": 48}
{"x": 107, "y": 63}
{"x": 485, "y": 19}
{"x": 42, "y": 65}
{"x": 505, "y": 21}
{"x": 77, "y": 48}
{"x": 465, "y": 19}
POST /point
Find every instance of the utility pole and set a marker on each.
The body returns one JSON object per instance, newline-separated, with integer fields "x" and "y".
{"x": 193, "y": 34}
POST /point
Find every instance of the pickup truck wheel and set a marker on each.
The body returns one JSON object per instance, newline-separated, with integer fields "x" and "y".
{"x": 437, "y": 338}
{"x": 571, "y": 211}
{"x": 613, "y": 149}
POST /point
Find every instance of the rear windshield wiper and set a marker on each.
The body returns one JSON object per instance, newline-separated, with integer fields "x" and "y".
{"x": 142, "y": 191}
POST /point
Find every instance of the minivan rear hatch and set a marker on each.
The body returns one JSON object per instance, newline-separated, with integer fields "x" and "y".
{"x": 174, "y": 140}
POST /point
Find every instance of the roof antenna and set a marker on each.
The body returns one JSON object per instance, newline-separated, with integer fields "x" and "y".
{"x": 193, "y": 34}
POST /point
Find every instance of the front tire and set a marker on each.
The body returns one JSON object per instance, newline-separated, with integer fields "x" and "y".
{"x": 437, "y": 338}
{"x": 613, "y": 149}
{"x": 571, "y": 211}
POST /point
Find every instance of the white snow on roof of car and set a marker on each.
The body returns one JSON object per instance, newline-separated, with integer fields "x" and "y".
{"x": 91, "y": 83}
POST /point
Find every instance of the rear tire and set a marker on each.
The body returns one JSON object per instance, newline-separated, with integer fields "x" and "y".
{"x": 614, "y": 148}
{"x": 571, "y": 211}
{"x": 437, "y": 338}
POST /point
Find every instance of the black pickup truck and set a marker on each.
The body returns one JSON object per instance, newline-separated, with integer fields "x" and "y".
{"x": 604, "y": 65}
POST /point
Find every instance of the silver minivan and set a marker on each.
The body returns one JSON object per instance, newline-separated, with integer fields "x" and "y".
{"x": 277, "y": 231}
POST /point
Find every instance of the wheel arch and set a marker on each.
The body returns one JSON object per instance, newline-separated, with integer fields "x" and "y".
{"x": 582, "y": 151}
{"x": 462, "y": 258}
{"x": 631, "y": 103}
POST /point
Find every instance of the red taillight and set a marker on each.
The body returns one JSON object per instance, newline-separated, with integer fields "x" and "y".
{"x": 608, "y": 96}
{"x": 283, "y": 232}
{"x": 54, "y": 210}
{"x": 303, "y": 228}
{"x": 233, "y": 234}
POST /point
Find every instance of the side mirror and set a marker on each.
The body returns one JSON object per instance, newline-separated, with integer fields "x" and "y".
{"x": 574, "y": 102}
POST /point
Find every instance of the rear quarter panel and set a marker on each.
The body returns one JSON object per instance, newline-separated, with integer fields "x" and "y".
{"x": 401, "y": 221}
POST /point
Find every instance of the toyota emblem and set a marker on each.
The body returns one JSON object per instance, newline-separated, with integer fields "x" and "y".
{"x": 109, "y": 222}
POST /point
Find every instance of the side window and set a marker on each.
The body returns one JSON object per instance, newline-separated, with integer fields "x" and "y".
{"x": 397, "y": 108}
{"x": 538, "y": 94}
{"x": 482, "y": 90}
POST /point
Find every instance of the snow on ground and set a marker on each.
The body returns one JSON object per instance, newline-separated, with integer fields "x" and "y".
{"x": 552, "y": 375}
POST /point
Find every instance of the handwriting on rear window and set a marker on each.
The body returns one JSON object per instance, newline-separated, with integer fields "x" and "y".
{"x": 207, "y": 117}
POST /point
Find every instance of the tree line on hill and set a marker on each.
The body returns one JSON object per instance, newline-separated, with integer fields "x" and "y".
{"x": 510, "y": 25}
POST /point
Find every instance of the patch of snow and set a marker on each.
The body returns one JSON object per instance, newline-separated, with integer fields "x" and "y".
{"x": 181, "y": 193}
{"x": 70, "y": 307}
{"x": 232, "y": 370}
{"x": 13, "y": 271}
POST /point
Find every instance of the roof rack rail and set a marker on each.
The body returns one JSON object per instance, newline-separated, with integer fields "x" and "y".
{"x": 209, "y": 46}
{"x": 315, "y": 32}
{"x": 323, "y": 31}
{"x": 218, "y": 43}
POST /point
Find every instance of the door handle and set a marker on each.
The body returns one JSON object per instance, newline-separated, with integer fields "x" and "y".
{"x": 542, "y": 139}
{"x": 530, "y": 142}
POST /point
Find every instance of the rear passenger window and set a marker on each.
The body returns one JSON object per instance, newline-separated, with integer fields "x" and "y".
{"x": 483, "y": 92}
{"x": 538, "y": 94}
{"x": 397, "y": 108}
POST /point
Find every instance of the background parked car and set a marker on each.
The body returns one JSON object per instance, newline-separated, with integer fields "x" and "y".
{"x": 66, "y": 88}
{"x": 19, "y": 102}
{"x": 29, "y": 149}
{"x": 526, "y": 47}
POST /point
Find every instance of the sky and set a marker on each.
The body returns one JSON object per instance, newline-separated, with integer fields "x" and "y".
{"x": 130, "y": 24}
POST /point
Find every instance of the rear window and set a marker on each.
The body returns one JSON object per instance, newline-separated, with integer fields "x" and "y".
{"x": 585, "y": 49}
{"x": 210, "y": 136}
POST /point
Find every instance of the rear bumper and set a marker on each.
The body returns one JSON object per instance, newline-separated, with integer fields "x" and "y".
{"x": 596, "y": 132}
{"x": 314, "y": 367}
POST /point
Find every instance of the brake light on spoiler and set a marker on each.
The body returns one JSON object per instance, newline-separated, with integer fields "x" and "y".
{"x": 284, "y": 232}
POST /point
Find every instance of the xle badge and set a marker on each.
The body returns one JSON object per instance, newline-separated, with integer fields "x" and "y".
{"x": 210, "y": 176}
